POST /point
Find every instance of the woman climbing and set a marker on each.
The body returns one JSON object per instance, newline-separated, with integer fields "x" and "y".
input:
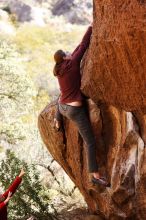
{"x": 70, "y": 102}
{"x": 5, "y": 197}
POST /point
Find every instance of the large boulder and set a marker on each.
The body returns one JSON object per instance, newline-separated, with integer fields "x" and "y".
{"x": 61, "y": 7}
{"x": 120, "y": 153}
{"x": 113, "y": 78}
{"x": 20, "y": 9}
{"x": 26, "y": 12}
{"x": 74, "y": 11}
{"x": 115, "y": 72}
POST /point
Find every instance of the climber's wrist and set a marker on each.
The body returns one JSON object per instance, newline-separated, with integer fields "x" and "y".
{"x": 7, "y": 200}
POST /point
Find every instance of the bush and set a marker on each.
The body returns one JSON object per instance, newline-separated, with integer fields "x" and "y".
{"x": 31, "y": 200}
{"x": 16, "y": 94}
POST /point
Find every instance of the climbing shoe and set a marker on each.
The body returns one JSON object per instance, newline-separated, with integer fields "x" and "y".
{"x": 100, "y": 181}
{"x": 99, "y": 184}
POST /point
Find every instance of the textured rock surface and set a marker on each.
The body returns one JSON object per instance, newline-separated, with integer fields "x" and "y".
{"x": 120, "y": 153}
{"x": 114, "y": 74}
{"x": 118, "y": 65}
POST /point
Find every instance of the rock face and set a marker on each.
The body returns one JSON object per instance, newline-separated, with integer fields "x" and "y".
{"x": 118, "y": 65}
{"x": 113, "y": 76}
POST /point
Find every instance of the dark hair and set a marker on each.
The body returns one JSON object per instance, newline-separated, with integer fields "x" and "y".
{"x": 58, "y": 57}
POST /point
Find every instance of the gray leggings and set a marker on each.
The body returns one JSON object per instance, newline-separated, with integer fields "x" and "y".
{"x": 80, "y": 117}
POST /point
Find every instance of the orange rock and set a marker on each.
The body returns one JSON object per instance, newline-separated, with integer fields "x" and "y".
{"x": 116, "y": 70}
{"x": 114, "y": 77}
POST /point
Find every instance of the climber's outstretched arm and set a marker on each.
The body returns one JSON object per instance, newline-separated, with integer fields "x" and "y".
{"x": 14, "y": 185}
{"x": 4, "y": 203}
{"x": 58, "y": 115}
{"x": 11, "y": 190}
{"x": 58, "y": 118}
{"x": 75, "y": 50}
{"x": 80, "y": 50}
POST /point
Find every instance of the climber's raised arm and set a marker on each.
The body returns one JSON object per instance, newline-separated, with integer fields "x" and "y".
{"x": 80, "y": 50}
{"x": 4, "y": 203}
{"x": 14, "y": 185}
{"x": 75, "y": 50}
{"x": 58, "y": 118}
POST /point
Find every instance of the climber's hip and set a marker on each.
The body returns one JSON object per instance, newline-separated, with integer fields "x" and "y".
{"x": 71, "y": 112}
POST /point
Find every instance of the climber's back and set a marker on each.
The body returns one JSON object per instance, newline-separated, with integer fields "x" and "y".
{"x": 67, "y": 70}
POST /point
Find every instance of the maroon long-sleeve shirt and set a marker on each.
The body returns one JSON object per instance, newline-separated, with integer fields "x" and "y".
{"x": 3, "y": 206}
{"x": 70, "y": 77}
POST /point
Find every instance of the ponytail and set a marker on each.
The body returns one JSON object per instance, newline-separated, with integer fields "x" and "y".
{"x": 59, "y": 58}
{"x": 56, "y": 70}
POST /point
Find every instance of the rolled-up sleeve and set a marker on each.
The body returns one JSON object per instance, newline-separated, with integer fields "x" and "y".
{"x": 2, "y": 205}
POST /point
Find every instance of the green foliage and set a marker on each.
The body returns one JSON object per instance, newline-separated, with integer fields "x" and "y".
{"x": 31, "y": 198}
{"x": 16, "y": 93}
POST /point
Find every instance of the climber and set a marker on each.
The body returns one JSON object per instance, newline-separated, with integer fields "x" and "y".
{"x": 70, "y": 102}
{"x": 5, "y": 197}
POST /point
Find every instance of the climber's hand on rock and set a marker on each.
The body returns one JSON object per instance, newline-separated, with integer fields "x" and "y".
{"x": 57, "y": 124}
{"x": 91, "y": 21}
